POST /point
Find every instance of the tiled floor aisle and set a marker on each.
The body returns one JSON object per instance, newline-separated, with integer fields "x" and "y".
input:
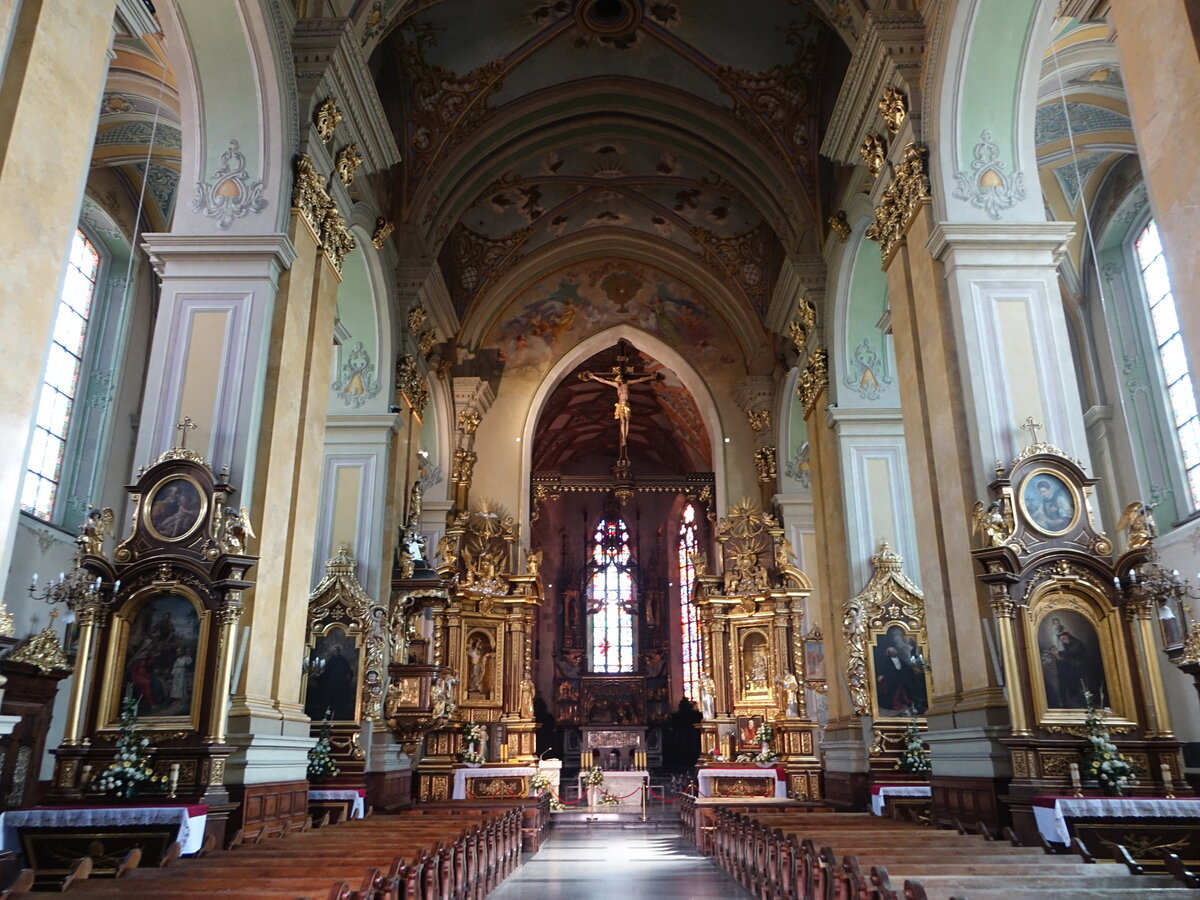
{"x": 618, "y": 864}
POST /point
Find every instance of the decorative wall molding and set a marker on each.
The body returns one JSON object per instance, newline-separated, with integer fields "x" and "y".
{"x": 890, "y": 51}
{"x": 989, "y": 186}
{"x": 357, "y": 384}
{"x": 866, "y": 373}
{"x": 231, "y": 194}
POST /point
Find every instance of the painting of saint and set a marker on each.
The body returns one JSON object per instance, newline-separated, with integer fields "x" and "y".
{"x": 160, "y": 657}
{"x": 747, "y": 731}
{"x": 175, "y": 508}
{"x": 334, "y": 690}
{"x": 1048, "y": 502}
{"x": 1071, "y": 663}
{"x": 479, "y": 667}
{"x": 899, "y": 670}
{"x": 814, "y": 660}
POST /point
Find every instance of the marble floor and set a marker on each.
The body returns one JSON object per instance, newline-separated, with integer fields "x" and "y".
{"x": 613, "y": 863}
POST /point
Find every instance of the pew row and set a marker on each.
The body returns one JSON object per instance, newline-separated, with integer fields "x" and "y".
{"x": 460, "y": 855}
{"x": 788, "y": 855}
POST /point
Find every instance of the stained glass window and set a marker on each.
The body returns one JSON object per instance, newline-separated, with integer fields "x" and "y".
{"x": 1181, "y": 397}
{"x": 690, "y": 629}
{"x": 611, "y": 602}
{"x": 61, "y": 380}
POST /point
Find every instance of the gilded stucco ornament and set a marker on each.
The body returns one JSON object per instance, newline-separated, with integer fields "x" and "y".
{"x": 311, "y": 200}
{"x": 900, "y": 201}
{"x": 764, "y": 459}
{"x": 383, "y": 230}
{"x": 874, "y": 153}
{"x": 326, "y": 118}
{"x": 416, "y": 318}
{"x": 759, "y": 419}
{"x": 43, "y": 650}
{"x": 812, "y": 380}
{"x": 1138, "y": 518}
{"x": 801, "y": 328}
{"x": 893, "y": 107}
{"x": 840, "y": 225}
{"x": 411, "y": 385}
{"x": 231, "y": 194}
{"x": 994, "y": 522}
{"x": 347, "y": 163}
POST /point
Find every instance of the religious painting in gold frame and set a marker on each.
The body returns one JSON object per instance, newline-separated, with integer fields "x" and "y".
{"x": 336, "y": 690}
{"x": 481, "y": 674}
{"x": 752, "y": 671}
{"x": 174, "y": 508}
{"x": 1049, "y": 502}
{"x": 1073, "y": 635}
{"x": 898, "y": 668}
{"x": 158, "y": 651}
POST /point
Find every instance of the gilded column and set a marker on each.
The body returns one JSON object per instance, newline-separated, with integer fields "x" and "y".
{"x": 1005, "y": 612}
{"x": 1141, "y": 617}
{"x": 89, "y": 616}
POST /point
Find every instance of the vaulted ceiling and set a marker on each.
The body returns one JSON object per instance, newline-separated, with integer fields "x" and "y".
{"x": 529, "y": 126}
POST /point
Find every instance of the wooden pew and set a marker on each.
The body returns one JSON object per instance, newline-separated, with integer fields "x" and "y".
{"x": 449, "y": 856}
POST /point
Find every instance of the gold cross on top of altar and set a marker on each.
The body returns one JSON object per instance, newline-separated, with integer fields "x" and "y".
{"x": 184, "y": 427}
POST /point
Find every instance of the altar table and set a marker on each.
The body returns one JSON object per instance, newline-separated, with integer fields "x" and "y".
{"x": 618, "y": 783}
{"x": 501, "y": 781}
{"x": 880, "y": 793}
{"x": 737, "y": 781}
{"x": 1051, "y": 813}
{"x": 189, "y": 820}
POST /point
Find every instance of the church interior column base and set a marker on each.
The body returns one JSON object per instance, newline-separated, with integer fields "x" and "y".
{"x": 848, "y": 791}
{"x": 264, "y": 758}
{"x": 847, "y": 776}
{"x": 390, "y": 791}
{"x": 970, "y": 800}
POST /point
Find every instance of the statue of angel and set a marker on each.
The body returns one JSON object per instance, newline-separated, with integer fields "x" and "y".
{"x": 1138, "y": 517}
{"x": 95, "y": 528}
{"x": 236, "y": 530}
{"x": 990, "y": 522}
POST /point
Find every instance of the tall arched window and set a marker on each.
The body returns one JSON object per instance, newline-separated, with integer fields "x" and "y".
{"x": 689, "y": 627}
{"x": 60, "y": 383}
{"x": 611, "y": 604}
{"x": 1181, "y": 395}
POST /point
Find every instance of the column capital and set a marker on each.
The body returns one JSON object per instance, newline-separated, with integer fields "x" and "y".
{"x": 995, "y": 246}
{"x": 222, "y": 257}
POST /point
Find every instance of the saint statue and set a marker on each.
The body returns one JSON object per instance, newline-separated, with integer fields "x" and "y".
{"x": 791, "y": 692}
{"x": 708, "y": 697}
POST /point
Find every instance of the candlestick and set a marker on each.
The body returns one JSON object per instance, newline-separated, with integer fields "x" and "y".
{"x": 1168, "y": 782}
{"x": 174, "y": 779}
{"x": 1075, "y": 782}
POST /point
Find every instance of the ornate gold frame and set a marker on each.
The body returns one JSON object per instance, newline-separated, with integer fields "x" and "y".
{"x": 360, "y": 644}
{"x": 1076, "y": 500}
{"x": 1080, "y": 597}
{"x": 148, "y": 503}
{"x": 495, "y": 631}
{"x": 118, "y": 642}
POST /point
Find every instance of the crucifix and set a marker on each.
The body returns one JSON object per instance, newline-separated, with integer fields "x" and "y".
{"x": 1032, "y": 427}
{"x": 621, "y": 380}
{"x": 183, "y": 428}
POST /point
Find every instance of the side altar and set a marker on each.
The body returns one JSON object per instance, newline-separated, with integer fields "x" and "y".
{"x": 757, "y": 656}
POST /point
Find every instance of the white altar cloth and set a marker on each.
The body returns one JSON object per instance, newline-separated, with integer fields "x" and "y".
{"x": 619, "y": 783}
{"x": 880, "y": 793}
{"x": 190, "y": 819}
{"x": 355, "y": 795}
{"x": 1051, "y": 813}
{"x": 461, "y": 776}
{"x": 706, "y": 775}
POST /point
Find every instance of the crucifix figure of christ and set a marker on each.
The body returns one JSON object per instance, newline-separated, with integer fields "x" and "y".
{"x": 622, "y": 377}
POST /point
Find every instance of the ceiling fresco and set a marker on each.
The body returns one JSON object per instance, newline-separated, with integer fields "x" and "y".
{"x": 139, "y": 112}
{"x": 576, "y": 431}
{"x": 568, "y": 306}
{"x": 526, "y": 124}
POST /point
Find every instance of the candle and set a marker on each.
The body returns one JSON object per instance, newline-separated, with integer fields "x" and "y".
{"x": 33, "y": 583}
{"x": 174, "y": 778}
{"x": 117, "y": 586}
{"x": 1168, "y": 783}
{"x": 1075, "y": 782}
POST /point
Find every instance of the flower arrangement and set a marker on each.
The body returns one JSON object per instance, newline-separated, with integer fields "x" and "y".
{"x": 1102, "y": 760}
{"x": 471, "y": 757}
{"x": 539, "y": 782}
{"x": 766, "y": 755}
{"x": 915, "y": 757}
{"x": 765, "y": 734}
{"x": 472, "y": 733}
{"x": 320, "y": 757}
{"x": 607, "y": 799}
{"x": 131, "y": 766}
{"x": 593, "y": 777}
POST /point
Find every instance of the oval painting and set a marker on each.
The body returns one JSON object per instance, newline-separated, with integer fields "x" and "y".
{"x": 1048, "y": 502}
{"x": 174, "y": 508}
